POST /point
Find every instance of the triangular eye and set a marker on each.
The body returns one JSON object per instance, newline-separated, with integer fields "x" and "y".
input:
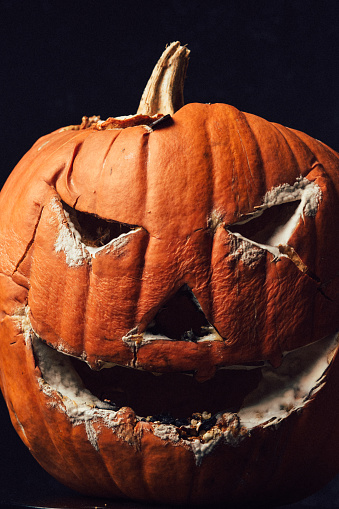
{"x": 94, "y": 230}
{"x": 272, "y": 227}
{"x": 180, "y": 318}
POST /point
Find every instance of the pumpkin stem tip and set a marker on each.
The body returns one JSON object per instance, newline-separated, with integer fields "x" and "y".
{"x": 164, "y": 92}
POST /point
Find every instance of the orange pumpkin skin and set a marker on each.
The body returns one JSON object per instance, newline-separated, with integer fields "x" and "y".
{"x": 183, "y": 185}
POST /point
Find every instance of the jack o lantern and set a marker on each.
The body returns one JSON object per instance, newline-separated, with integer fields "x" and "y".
{"x": 169, "y": 303}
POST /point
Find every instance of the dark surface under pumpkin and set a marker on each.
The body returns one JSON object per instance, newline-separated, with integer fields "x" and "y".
{"x": 154, "y": 276}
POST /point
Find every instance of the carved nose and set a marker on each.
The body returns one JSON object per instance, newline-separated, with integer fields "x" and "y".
{"x": 180, "y": 318}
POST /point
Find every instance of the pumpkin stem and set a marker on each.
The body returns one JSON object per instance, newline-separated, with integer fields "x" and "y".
{"x": 164, "y": 92}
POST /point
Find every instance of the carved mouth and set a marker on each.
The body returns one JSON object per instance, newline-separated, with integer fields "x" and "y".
{"x": 178, "y": 407}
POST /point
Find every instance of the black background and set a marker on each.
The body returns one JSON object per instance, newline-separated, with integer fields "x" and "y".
{"x": 60, "y": 60}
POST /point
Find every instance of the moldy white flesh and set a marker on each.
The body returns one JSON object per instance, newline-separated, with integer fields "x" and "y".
{"x": 280, "y": 392}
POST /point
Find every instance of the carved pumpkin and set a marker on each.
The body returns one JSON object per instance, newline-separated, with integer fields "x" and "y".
{"x": 169, "y": 303}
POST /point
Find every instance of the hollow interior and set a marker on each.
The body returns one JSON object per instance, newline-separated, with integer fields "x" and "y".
{"x": 175, "y": 394}
{"x": 180, "y": 318}
{"x": 266, "y": 228}
{"x": 256, "y": 394}
{"x": 96, "y": 231}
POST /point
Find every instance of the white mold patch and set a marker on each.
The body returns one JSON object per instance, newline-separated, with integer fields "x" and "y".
{"x": 309, "y": 193}
{"x": 20, "y": 426}
{"x": 200, "y": 450}
{"x": 70, "y": 242}
{"x": 21, "y": 318}
{"x": 115, "y": 245}
{"x": 205, "y": 442}
{"x": 79, "y": 404}
{"x": 69, "y": 239}
{"x": 215, "y": 219}
{"x": 167, "y": 432}
{"x": 91, "y": 434}
{"x": 243, "y": 249}
{"x": 59, "y": 374}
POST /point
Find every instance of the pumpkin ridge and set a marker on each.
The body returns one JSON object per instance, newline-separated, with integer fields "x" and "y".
{"x": 92, "y": 473}
{"x": 276, "y": 328}
{"x": 323, "y": 153}
{"x": 145, "y": 189}
{"x": 252, "y": 150}
{"x": 282, "y": 133}
{"x": 69, "y": 171}
{"x": 308, "y": 160}
{"x": 257, "y": 151}
{"x": 29, "y": 358}
{"x": 213, "y": 219}
{"x": 249, "y": 167}
{"x": 197, "y": 251}
{"x": 242, "y": 120}
{"x": 85, "y": 306}
{"x": 108, "y": 150}
{"x": 69, "y": 139}
{"x": 267, "y": 134}
{"x": 30, "y": 243}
